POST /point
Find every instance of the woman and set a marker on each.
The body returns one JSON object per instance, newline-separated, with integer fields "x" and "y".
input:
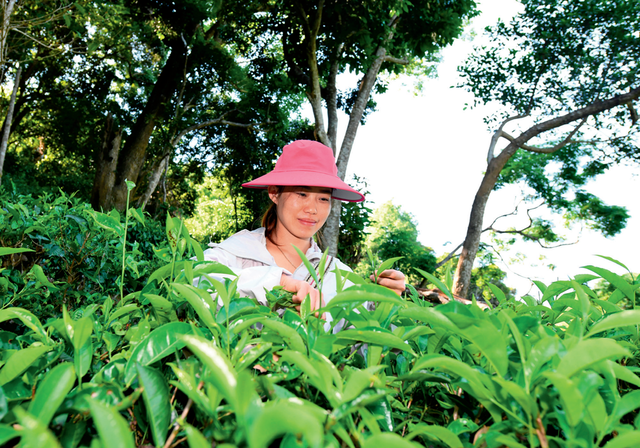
{"x": 300, "y": 187}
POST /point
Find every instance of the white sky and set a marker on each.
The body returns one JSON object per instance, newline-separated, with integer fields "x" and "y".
{"x": 427, "y": 154}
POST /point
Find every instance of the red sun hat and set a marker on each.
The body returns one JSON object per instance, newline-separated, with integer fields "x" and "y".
{"x": 306, "y": 163}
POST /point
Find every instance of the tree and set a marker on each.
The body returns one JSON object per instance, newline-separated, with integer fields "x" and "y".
{"x": 393, "y": 233}
{"x": 30, "y": 30}
{"x": 566, "y": 73}
{"x": 324, "y": 38}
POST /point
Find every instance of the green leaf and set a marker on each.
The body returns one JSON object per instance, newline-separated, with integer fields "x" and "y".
{"x": 113, "y": 429}
{"x": 223, "y": 373}
{"x": 52, "y": 391}
{"x": 437, "y": 432}
{"x": 377, "y": 336}
{"x": 497, "y": 292}
{"x": 292, "y": 416}
{"x": 387, "y": 264}
{"x": 615, "y": 280}
{"x": 388, "y": 440}
{"x": 588, "y": 352}
{"x": 27, "y": 318}
{"x": 570, "y": 396}
{"x": 156, "y": 398}
{"x": 364, "y": 293}
{"x": 34, "y": 434}
{"x": 430, "y": 316}
{"x": 39, "y": 273}
{"x": 629, "y": 439}
{"x": 616, "y": 320}
{"x": 203, "y": 305}
{"x": 613, "y": 260}
{"x": 195, "y": 438}
{"x": 82, "y": 345}
{"x": 161, "y": 342}
{"x": 14, "y": 250}
{"x": 7, "y": 433}
{"x": 441, "y": 286}
{"x": 20, "y": 361}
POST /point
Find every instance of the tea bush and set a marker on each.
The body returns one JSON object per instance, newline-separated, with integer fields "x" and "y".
{"x": 74, "y": 255}
{"x": 162, "y": 366}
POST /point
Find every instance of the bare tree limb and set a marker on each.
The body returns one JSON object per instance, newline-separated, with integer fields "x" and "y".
{"x": 548, "y": 150}
{"x": 499, "y": 133}
{"x": 388, "y": 58}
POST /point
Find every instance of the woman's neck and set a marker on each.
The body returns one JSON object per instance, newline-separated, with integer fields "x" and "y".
{"x": 281, "y": 237}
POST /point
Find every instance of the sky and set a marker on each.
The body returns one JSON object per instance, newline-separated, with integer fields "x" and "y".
{"x": 426, "y": 153}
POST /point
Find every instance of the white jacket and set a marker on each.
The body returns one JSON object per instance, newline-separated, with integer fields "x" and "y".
{"x": 246, "y": 254}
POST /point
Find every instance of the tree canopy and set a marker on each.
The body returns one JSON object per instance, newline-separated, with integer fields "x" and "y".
{"x": 566, "y": 75}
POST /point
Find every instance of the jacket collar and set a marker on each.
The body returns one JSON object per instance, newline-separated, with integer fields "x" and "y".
{"x": 252, "y": 245}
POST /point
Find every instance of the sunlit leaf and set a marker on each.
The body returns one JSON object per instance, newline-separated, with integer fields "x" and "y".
{"x": 588, "y": 352}
{"x": 51, "y": 392}
{"x": 161, "y": 342}
{"x": 20, "y": 361}
{"x": 156, "y": 401}
{"x": 113, "y": 429}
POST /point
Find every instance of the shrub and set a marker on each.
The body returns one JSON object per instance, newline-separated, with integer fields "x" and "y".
{"x": 164, "y": 366}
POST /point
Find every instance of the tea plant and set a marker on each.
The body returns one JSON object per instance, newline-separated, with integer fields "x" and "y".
{"x": 183, "y": 360}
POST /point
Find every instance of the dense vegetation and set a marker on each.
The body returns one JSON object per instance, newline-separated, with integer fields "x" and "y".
{"x": 107, "y": 342}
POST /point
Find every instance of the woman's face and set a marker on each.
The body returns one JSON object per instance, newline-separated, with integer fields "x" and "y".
{"x": 301, "y": 210}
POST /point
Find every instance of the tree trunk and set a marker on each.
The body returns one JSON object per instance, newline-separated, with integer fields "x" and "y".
{"x": 154, "y": 179}
{"x": 462, "y": 278}
{"x": 4, "y": 32}
{"x": 331, "y": 230}
{"x": 106, "y": 160}
{"x": 6, "y": 132}
{"x": 133, "y": 154}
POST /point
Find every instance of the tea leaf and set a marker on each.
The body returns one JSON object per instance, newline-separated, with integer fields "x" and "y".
{"x": 438, "y": 432}
{"x": 441, "y": 286}
{"x": 195, "y": 438}
{"x": 621, "y": 319}
{"x": 20, "y": 361}
{"x": 292, "y": 416}
{"x": 156, "y": 401}
{"x": 222, "y": 372}
{"x": 588, "y": 352}
{"x": 387, "y": 264}
{"x": 497, "y": 292}
{"x": 629, "y": 439}
{"x": 34, "y": 433}
{"x": 615, "y": 280}
{"x": 13, "y": 250}
{"x": 161, "y": 342}
{"x": 388, "y": 440}
{"x": 52, "y": 391}
{"x": 377, "y": 336}
{"x": 113, "y": 429}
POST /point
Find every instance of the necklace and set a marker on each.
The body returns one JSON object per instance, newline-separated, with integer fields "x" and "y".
{"x": 285, "y": 256}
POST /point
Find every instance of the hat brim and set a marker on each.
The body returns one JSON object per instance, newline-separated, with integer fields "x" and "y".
{"x": 341, "y": 191}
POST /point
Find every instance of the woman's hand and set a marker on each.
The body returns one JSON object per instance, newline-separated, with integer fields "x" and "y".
{"x": 300, "y": 290}
{"x": 392, "y": 279}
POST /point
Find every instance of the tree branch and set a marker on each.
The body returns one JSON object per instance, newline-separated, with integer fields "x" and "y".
{"x": 393, "y": 60}
{"x": 548, "y": 150}
{"x": 499, "y": 133}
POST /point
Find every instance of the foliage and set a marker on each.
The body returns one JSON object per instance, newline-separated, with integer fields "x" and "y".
{"x": 354, "y": 219}
{"x": 564, "y": 77}
{"x": 217, "y": 216}
{"x": 75, "y": 253}
{"x": 393, "y": 233}
{"x": 165, "y": 365}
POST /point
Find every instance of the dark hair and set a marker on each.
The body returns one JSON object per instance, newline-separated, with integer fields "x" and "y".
{"x": 270, "y": 217}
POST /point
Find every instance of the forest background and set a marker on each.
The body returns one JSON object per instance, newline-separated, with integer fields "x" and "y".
{"x": 239, "y": 139}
